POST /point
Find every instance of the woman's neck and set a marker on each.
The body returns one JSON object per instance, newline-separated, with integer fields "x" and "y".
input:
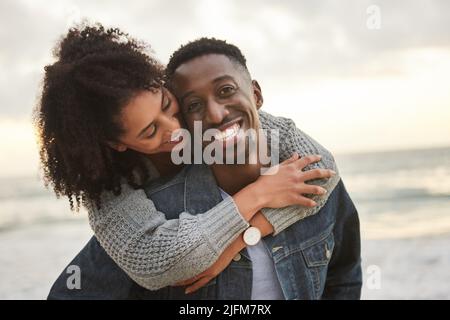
{"x": 163, "y": 163}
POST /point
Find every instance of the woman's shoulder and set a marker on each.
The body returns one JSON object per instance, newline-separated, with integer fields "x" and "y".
{"x": 269, "y": 121}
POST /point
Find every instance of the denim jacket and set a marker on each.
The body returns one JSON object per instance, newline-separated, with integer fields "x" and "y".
{"x": 315, "y": 258}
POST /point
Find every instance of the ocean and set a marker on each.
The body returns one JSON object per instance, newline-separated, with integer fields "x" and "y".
{"x": 399, "y": 194}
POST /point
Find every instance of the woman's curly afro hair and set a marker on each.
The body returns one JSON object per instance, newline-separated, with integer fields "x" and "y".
{"x": 96, "y": 73}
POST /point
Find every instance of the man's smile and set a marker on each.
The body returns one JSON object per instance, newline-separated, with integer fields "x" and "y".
{"x": 229, "y": 130}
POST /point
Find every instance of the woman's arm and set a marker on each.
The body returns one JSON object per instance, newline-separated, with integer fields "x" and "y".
{"x": 200, "y": 280}
{"x": 273, "y": 221}
{"x": 156, "y": 252}
{"x": 294, "y": 140}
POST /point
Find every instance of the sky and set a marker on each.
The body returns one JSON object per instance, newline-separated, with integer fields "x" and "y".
{"x": 356, "y": 75}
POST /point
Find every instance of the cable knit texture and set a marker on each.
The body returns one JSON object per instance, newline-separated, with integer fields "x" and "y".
{"x": 156, "y": 252}
{"x": 294, "y": 140}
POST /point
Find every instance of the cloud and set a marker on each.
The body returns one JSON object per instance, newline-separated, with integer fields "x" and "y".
{"x": 284, "y": 41}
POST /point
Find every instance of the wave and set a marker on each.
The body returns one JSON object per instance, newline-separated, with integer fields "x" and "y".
{"x": 385, "y": 187}
{"x": 413, "y": 194}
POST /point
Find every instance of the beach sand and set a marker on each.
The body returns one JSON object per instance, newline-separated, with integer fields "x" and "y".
{"x": 32, "y": 257}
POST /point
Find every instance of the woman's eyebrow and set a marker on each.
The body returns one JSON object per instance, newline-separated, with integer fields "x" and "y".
{"x": 162, "y": 98}
{"x": 151, "y": 123}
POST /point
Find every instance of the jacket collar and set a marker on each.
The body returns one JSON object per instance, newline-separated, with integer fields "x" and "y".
{"x": 201, "y": 190}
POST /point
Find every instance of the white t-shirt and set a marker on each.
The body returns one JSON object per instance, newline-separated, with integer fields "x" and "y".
{"x": 265, "y": 284}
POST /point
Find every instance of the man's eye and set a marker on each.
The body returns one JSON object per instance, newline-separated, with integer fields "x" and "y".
{"x": 194, "y": 106}
{"x": 226, "y": 91}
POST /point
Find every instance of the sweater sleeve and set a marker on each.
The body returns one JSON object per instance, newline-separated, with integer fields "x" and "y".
{"x": 294, "y": 140}
{"x": 156, "y": 252}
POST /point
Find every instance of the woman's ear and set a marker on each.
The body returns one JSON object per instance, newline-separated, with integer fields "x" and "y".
{"x": 117, "y": 146}
{"x": 257, "y": 92}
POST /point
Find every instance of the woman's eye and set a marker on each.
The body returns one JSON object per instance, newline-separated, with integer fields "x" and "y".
{"x": 226, "y": 90}
{"x": 152, "y": 132}
{"x": 167, "y": 104}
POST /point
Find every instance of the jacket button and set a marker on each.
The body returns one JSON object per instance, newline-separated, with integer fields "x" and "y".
{"x": 327, "y": 252}
{"x": 275, "y": 249}
{"x": 237, "y": 257}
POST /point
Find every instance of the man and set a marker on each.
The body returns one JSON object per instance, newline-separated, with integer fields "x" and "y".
{"x": 213, "y": 86}
{"x": 318, "y": 257}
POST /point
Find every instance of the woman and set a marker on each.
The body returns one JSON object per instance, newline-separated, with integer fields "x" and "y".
{"x": 104, "y": 113}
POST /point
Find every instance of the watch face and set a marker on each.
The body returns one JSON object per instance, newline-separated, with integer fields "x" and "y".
{"x": 252, "y": 236}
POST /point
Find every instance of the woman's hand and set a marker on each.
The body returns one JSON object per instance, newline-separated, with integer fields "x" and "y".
{"x": 224, "y": 260}
{"x": 287, "y": 185}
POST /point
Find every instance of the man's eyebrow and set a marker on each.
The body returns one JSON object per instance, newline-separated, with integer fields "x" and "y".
{"x": 224, "y": 77}
{"x": 187, "y": 94}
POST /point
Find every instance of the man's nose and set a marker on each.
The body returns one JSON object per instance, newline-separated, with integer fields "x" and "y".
{"x": 215, "y": 112}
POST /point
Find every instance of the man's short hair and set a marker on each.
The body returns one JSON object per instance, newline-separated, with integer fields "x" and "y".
{"x": 204, "y": 46}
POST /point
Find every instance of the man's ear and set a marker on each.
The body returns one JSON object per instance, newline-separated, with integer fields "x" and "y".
{"x": 117, "y": 146}
{"x": 257, "y": 92}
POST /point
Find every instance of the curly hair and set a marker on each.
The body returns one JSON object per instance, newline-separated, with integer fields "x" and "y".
{"x": 204, "y": 46}
{"x": 96, "y": 73}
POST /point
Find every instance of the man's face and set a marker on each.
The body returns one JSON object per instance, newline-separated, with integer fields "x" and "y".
{"x": 219, "y": 93}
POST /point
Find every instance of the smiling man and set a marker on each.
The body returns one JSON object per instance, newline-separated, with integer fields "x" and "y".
{"x": 227, "y": 135}
{"x": 218, "y": 93}
{"x": 316, "y": 258}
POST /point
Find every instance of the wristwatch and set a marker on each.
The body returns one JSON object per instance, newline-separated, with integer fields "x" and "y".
{"x": 252, "y": 236}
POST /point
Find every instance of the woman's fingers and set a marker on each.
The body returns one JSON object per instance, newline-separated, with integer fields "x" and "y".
{"x": 184, "y": 282}
{"x": 293, "y": 158}
{"x": 317, "y": 174}
{"x": 306, "y": 202}
{"x": 311, "y": 189}
{"x": 188, "y": 281}
{"x": 197, "y": 285}
{"x": 307, "y": 160}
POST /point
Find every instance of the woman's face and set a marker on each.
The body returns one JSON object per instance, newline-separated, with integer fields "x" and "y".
{"x": 148, "y": 121}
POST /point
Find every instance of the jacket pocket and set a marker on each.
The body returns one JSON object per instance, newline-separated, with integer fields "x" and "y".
{"x": 317, "y": 257}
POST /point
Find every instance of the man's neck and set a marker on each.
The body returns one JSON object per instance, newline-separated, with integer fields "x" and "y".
{"x": 233, "y": 177}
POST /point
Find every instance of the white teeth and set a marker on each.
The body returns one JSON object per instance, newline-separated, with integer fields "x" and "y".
{"x": 228, "y": 133}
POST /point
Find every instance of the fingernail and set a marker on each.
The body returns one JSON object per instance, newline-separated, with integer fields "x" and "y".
{"x": 333, "y": 172}
{"x": 324, "y": 191}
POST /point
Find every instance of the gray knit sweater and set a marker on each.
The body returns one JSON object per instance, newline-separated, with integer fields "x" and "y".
{"x": 156, "y": 252}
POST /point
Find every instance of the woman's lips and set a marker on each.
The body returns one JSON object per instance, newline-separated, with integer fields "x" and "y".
{"x": 175, "y": 139}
